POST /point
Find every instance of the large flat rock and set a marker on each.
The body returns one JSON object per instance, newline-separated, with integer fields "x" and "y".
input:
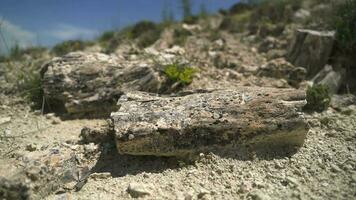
{"x": 190, "y": 123}
{"x": 91, "y": 83}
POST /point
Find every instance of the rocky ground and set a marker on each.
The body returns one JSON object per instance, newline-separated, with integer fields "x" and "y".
{"x": 324, "y": 168}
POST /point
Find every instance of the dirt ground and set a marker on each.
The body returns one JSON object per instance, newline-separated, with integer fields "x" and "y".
{"x": 324, "y": 168}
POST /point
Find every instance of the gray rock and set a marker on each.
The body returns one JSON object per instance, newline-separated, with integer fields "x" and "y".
{"x": 5, "y": 120}
{"x": 91, "y": 83}
{"x": 311, "y": 50}
{"x": 331, "y": 78}
{"x": 282, "y": 69}
{"x": 259, "y": 195}
{"x": 138, "y": 190}
{"x": 191, "y": 123}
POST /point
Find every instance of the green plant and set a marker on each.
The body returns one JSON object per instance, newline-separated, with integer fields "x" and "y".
{"x": 141, "y": 28}
{"x": 107, "y": 36}
{"x": 68, "y": 46}
{"x": 318, "y": 98}
{"x": 345, "y": 25}
{"x": 146, "y": 33}
{"x": 236, "y": 22}
{"x": 180, "y": 73}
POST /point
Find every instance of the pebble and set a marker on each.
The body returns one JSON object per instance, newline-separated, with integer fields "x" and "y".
{"x": 103, "y": 175}
{"x": 5, "y": 120}
{"x": 31, "y": 147}
{"x": 335, "y": 168}
{"x": 138, "y": 190}
{"x": 90, "y": 148}
{"x": 292, "y": 180}
{"x": 203, "y": 192}
{"x": 259, "y": 195}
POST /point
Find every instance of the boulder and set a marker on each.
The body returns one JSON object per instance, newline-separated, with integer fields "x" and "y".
{"x": 311, "y": 50}
{"x": 208, "y": 120}
{"x": 331, "y": 78}
{"x": 280, "y": 68}
{"x": 91, "y": 83}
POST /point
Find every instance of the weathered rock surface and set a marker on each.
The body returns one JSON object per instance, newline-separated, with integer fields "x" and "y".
{"x": 280, "y": 68}
{"x": 331, "y": 78}
{"x": 209, "y": 120}
{"x": 311, "y": 50}
{"x": 91, "y": 83}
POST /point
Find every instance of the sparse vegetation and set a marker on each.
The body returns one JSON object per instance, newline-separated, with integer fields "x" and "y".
{"x": 318, "y": 98}
{"x": 345, "y": 25}
{"x": 180, "y": 73}
{"x": 180, "y": 36}
{"x": 68, "y": 46}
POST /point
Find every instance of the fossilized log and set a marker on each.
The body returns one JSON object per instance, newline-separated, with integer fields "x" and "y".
{"x": 190, "y": 123}
{"x": 311, "y": 50}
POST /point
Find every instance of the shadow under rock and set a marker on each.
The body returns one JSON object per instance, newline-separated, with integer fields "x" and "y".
{"x": 119, "y": 165}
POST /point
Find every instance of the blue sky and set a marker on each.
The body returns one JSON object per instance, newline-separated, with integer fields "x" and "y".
{"x": 46, "y": 22}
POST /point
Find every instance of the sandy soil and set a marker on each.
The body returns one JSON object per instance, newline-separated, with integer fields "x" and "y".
{"x": 324, "y": 168}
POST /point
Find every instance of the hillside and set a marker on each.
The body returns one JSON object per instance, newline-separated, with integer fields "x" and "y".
{"x": 254, "y": 102}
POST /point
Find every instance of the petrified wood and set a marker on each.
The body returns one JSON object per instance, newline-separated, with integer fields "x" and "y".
{"x": 148, "y": 124}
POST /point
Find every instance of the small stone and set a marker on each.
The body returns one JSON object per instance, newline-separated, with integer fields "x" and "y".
{"x": 259, "y": 195}
{"x": 245, "y": 187}
{"x": 7, "y": 132}
{"x": 56, "y": 121}
{"x": 5, "y": 120}
{"x": 138, "y": 190}
{"x": 90, "y": 148}
{"x": 335, "y": 168}
{"x": 203, "y": 192}
{"x": 50, "y": 115}
{"x": 292, "y": 180}
{"x": 31, "y": 147}
{"x": 97, "y": 176}
{"x": 354, "y": 177}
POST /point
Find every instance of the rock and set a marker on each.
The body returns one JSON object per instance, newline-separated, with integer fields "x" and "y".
{"x": 301, "y": 15}
{"x": 96, "y": 135}
{"x": 97, "y": 176}
{"x": 31, "y": 147}
{"x": 137, "y": 190}
{"x": 90, "y": 148}
{"x": 311, "y": 50}
{"x": 280, "y": 68}
{"x": 335, "y": 168}
{"x": 5, "y": 120}
{"x": 191, "y": 123}
{"x": 203, "y": 192}
{"x": 90, "y": 83}
{"x": 275, "y": 53}
{"x": 330, "y": 78}
{"x": 259, "y": 195}
{"x": 13, "y": 189}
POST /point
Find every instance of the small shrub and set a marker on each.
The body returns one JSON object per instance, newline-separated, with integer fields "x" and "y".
{"x": 68, "y": 46}
{"x": 180, "y": 36}
{"x": 236, "y": 22}
{"x": 180, "y": 73}
{"x": 141, "y": 28}
{"x": 191, "y": 19}
{"x": 146, "y": 33}
{"x": 318, "y": 98}
{"x": 107, "y": 36}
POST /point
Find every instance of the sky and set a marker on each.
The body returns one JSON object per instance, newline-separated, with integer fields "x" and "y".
{"x": 47, "y": 22}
